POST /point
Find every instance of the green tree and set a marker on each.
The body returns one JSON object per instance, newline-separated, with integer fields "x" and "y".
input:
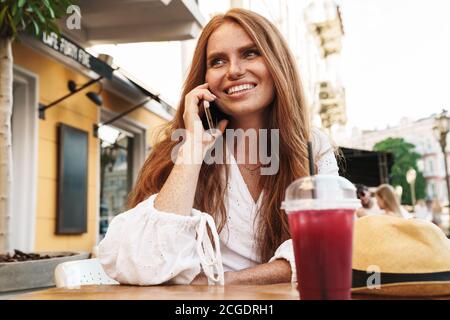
{"x": 405, "y": 157}
{"x": 16, "y": 16}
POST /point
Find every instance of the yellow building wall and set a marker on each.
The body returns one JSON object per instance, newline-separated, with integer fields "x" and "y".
{"x": 79, "y": 112}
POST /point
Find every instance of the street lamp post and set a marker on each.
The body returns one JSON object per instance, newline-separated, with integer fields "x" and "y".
{"x": 411, "y": 175}
{"x": 441, "y": 130}
{"x": 398, "y": 191}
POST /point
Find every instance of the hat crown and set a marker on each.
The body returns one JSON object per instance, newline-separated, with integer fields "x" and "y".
{"x": 399, "y": 245}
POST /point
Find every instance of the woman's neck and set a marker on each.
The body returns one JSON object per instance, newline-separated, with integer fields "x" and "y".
{"x": 249, "y": 146}
{"x": 245, "y": 124}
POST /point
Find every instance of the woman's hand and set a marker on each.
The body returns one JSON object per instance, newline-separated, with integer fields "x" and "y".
{"x": 200, "y": 279}
{"x": 196, "y": 135}
{"x": 178, "y": 192}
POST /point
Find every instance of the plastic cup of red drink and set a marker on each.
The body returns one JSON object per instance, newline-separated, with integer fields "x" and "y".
{"x": 320, "y": 211}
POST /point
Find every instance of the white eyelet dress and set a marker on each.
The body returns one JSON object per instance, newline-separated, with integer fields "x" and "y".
{"x": 144, "y": 246}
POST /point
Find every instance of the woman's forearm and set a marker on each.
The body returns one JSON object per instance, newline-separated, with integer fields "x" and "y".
{"x": 178, "y": 192}
{"x": 278, "y": 271}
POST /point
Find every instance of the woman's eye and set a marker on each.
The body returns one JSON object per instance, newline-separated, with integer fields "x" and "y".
{"x": 252, "y": 53}
{"x": 216, "y": 62}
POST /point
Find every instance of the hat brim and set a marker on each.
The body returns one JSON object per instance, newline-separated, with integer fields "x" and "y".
{"x": 402, "y": 284}
{"x": 408, "y": 289}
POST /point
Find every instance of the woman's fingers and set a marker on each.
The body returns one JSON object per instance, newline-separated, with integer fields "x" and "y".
{"x": 202, "y": 89}
{"x": 204, "y": 86}
{"x": 195, "y": 103}
{"x": 201, "y": 94}
{"x": 193, "y": 99}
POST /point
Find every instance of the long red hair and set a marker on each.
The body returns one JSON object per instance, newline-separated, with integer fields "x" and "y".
{"x": 288, "y": 113}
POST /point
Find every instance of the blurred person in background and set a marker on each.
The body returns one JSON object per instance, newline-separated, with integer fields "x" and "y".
{"x": 387, "y": 200}
{"x": 436, "y": 211}
{"x": 422, "y": 211}
{"x": 368, "y": 203}
{"x": 429, "y": 204}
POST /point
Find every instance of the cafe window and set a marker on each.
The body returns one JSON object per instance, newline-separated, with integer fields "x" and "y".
{"x": 433, "y": 190}
{"x": 430, "y": 167}
{"x": 123, "y": 149}
{"x": 116, "y": 173}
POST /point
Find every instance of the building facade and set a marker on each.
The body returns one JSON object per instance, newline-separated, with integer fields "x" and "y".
{"x": 39, "y": 78}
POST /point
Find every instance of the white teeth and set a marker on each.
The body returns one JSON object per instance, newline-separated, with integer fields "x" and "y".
{"x": 241, "y": 87}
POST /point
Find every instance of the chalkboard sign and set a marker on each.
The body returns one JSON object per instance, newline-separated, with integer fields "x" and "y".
{"x": 72, "y": 180}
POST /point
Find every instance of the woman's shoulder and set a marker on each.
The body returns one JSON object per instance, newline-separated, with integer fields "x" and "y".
{"x": 321, "y": 142}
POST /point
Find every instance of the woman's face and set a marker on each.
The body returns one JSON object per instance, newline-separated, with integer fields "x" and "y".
{"x": 237, "y": 73}
{"x": 380, "y": 202}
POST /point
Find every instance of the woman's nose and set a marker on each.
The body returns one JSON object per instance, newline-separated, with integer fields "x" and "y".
{"x": 236, "y": 70}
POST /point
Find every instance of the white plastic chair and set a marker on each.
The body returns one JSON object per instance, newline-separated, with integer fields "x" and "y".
{"x": 73, "y": 274}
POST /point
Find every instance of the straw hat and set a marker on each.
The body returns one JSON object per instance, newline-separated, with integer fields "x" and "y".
{"x": 404, "y": 257}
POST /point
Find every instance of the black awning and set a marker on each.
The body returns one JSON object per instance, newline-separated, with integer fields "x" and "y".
{"x": 370, "y": 168}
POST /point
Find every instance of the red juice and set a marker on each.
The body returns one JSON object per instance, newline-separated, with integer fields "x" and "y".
{"x": 322, "y": 241}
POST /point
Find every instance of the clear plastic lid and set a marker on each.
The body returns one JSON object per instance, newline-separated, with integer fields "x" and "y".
{"x": 320, "y": 192}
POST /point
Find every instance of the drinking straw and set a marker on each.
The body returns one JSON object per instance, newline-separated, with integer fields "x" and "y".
{"x": 311, "y": 169}
{"x": 311, "y": 159}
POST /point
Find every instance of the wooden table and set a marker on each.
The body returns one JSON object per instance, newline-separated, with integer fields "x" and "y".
{"x": 167, "y": 292}
{"x": 285, "y": 291}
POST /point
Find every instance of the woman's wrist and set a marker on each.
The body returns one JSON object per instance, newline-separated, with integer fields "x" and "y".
{"x": 230, "y": 277}
{"x": 190, "y": 153}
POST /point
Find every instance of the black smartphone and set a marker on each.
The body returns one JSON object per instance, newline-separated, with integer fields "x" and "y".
{"x": 212, "y": 116}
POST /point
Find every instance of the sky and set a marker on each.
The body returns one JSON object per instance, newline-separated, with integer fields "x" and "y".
{"x": 395, "y": 61}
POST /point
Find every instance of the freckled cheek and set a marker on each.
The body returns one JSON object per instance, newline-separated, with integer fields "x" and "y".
{"x": 213, "y": 81}
{"x": 266, "y": 75}
{"x": 269, "y": 83}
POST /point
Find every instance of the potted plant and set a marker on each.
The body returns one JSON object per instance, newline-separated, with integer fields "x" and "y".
{"x": 21, "y": 271}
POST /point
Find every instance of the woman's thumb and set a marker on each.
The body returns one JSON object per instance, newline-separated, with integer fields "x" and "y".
{"x": 217, "y": 132}
{"x": 222, "y": 125}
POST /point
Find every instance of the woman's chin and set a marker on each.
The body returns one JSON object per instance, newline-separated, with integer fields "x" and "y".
{"x": 242, "y": 111}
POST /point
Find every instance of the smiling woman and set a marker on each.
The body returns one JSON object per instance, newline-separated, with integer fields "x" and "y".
{"x": 243, "y": 65}
{"x": 238, "y": 75}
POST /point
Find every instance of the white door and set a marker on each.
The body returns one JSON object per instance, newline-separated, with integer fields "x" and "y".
{"x": 24, "y": 147}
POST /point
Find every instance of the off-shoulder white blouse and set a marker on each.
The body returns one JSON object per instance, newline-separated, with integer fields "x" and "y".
{"x": 145, "y": 246}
